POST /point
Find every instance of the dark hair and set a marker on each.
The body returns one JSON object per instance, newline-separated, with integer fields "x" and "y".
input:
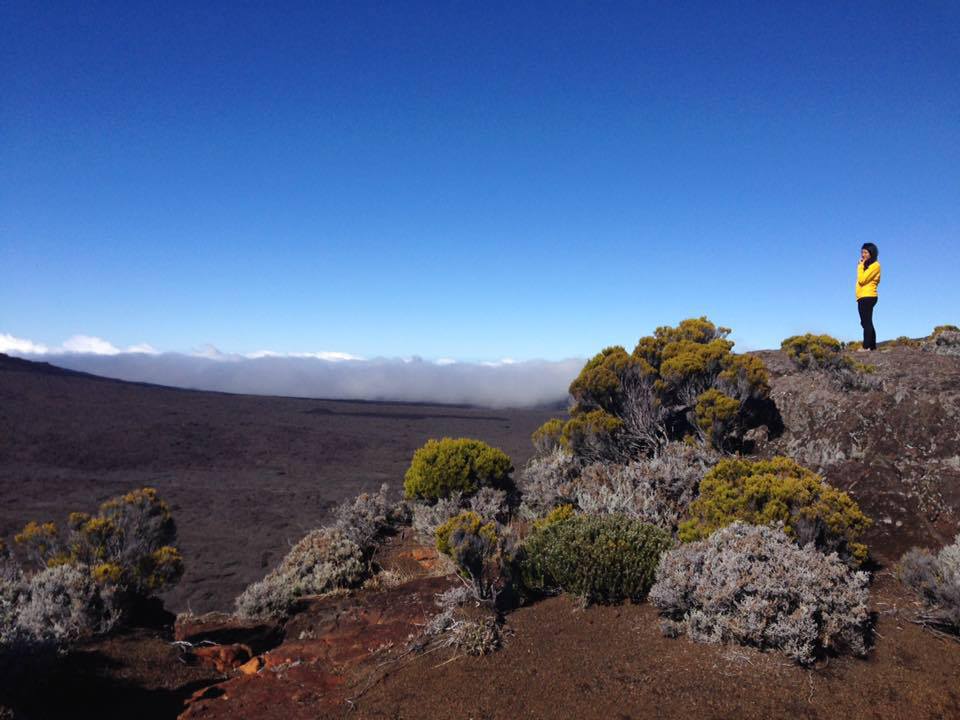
{"x": 874, "y": 254}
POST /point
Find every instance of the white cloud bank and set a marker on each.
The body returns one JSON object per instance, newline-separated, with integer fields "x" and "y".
{"x": 506, "y": 383}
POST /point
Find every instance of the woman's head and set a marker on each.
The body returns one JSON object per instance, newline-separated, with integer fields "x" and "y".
{"x": 869, "y": 254}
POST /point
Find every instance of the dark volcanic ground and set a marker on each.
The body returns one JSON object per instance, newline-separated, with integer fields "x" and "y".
{"x": 246, "y": 475}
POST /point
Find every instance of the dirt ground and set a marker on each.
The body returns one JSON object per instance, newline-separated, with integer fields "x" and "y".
{"x": 613, "y": 662}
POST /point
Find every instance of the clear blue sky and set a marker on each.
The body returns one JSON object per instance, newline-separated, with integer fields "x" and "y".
{"x": 473, "y": 180}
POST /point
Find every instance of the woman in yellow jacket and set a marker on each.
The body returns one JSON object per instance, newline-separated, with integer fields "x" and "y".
{"x": 868, "y": 277}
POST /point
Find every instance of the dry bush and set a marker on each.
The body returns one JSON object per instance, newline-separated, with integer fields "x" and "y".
{"x": 55, "y": 607}
{"x": 945, "y": 340}
{"x": 547, "y": 481}
{"x": 936, "y": 579}
{"x": 655, "y": 490}
{"x": 490, "y": 504}
{"x": 427, "y": 518}
{"x": 370, "y": 516}
{"x": 470, "y": 633}
{"x": 323, "y": 561}
{"x": 128, "y": 544}
{"x": 13, "y": 593}
{"x": 752, "y": 585}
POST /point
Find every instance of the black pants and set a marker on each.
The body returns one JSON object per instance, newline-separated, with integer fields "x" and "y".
{"x": 865, "y": 306}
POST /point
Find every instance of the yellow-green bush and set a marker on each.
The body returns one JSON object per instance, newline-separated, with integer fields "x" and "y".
{"x": 767, "y": 492}
{"x": 629, "y": 404}
{"x": 455, "y": 465}
{"x": 559, "y": 513}
{"x": 467, "y": 522}
{"x": 548, "y": 436}
{"x": 598, "y": 557}
{"x": 715, "y": 413}
{"x": 814, "y": 351}
{"x": 823, "y": 352}
{"x": 129, "y": 543}
{"x": 482, "y": 555}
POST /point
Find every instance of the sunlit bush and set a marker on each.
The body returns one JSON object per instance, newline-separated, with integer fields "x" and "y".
{"x": 766, "y": 492}
{"x": 655, "y": 490}
{"x": 680, "y": 381}
{"x": 825, "y": 354}
{"x": 455, "y": 465}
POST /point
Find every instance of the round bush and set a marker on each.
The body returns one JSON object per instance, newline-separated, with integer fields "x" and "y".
{"x": 442, "y": 467}
{"x": 814, "y": 351}
{"x": 600, "y": 558}
{"x": 753, "y": 585}
{"x": 766, "y": 492}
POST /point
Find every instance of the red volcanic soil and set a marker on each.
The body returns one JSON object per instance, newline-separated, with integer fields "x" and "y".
{"x": 246, "y": 476}
{"x": 348, "y": 657}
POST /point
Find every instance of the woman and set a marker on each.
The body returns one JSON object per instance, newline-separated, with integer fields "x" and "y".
{"x": 868, "y": 277}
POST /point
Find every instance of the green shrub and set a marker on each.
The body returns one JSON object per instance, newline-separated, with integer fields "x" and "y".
{"x": 444, "y": 466}
{"x": 940, "y": 329}
{"x": 627, "y": 405}
{"x": 904, "y": 341}
{"x": 767, "y": 492}
{"x": 600, "y": 558}
{"x": 129, "y": 543}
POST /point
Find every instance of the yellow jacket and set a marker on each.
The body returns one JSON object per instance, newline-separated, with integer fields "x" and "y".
{"x": 867, "y": 280}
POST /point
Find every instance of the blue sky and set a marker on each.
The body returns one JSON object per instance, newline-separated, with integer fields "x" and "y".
{"x": 473, "y": 180}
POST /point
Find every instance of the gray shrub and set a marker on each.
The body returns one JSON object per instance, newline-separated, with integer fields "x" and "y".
{"x": 655, "y": 490}
{"x": 490, "y": 504}
{"x": 427, "y": 518}
{"x": 547, "y": 481}
{"x": 936, "y": 579}
{"x": 366, "y": 518}
{"x": 754, "y": 586}
{"x": 62, "y": 604}
{"x": 324, "y": 560}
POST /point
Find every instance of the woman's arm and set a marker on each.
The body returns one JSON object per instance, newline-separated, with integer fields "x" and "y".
{"x": 869, "y": 275}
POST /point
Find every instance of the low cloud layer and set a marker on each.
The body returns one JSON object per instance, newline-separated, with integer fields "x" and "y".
{"x": 319, "y": 375}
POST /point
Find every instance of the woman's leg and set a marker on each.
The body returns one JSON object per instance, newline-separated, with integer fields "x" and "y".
{"x": 865, "y": 306}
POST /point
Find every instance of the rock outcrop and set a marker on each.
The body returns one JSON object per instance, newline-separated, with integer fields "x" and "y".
{"x": 895, "y": 449}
